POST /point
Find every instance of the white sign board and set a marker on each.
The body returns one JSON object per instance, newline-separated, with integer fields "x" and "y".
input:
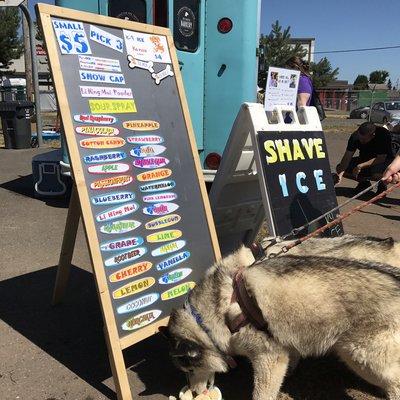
{"x": 281, "y": 89}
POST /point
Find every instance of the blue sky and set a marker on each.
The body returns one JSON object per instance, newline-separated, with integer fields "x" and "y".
{"x": 341, "y": 25}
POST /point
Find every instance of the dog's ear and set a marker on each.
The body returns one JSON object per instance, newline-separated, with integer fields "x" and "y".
{"x": 164, "y": 332}
{"x": 186, "y": 348}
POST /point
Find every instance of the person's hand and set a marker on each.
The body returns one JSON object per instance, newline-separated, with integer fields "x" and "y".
{"x": 337, "y": 178}
{"x": 356, "y": 170}
{"x": 392, "y": 175}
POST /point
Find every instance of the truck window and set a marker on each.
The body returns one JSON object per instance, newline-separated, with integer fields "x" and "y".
{"x": 160, "y": 10}
{"x": 186, "y": 24}
{"x": 128, "y": 9}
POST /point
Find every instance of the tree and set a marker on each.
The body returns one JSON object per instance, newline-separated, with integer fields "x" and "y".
{"x": 277, "y": 50}
{"x": 378, "y": 76}
{"x": 11, "y": 46}
{"x": 322, "y": 73}
{"x": 361, "y": 82}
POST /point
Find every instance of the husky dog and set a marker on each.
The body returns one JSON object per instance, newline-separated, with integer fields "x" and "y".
{"x": 368, "y": 248}
{"x": 310, "y": 305}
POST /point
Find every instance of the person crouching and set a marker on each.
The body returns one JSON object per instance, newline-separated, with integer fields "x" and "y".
{"x": 375, "y": 154}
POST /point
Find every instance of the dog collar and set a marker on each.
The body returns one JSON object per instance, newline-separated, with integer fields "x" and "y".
{"x": 199, "y": 320}
{"x": 251, "y": 313}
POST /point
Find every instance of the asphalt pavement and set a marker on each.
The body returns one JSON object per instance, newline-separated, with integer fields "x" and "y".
{"x": 58, "y": 353}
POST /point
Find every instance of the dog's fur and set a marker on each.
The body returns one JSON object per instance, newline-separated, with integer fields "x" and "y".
{"x": 365, "y": 248}
{"x": 312, "y": 305}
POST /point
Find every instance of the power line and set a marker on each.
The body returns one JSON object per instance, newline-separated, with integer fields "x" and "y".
{"x": 354, "y": 50}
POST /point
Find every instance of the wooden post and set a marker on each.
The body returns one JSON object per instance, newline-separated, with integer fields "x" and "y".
{"x": 118, "y": 367}
{"x": 67, "y": 249}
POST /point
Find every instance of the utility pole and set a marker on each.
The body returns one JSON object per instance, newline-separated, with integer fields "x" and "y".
{"x": 32, "y": 67}
{"x": 27, "y": 56}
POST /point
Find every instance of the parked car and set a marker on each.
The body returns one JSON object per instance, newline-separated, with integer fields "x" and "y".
{"x": 385, "y": 111}
{"x": 360, "y": 112}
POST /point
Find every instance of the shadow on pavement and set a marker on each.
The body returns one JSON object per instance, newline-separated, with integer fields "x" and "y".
{"x": 72, "y": 333}
{"x": 325, "y": 379}
{"x": 349, "y": 192}
{"x": 24, "y": 186}
{"x": 392, "y": 217}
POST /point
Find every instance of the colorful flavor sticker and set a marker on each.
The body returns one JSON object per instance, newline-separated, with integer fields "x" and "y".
{"x": 112, "y": 106}
{"x": 147, "y": 47}
{"x": 122, "y": 244}
{"x": 145, "y": 139}
{"x": 95, "y": 119}
{"x": 168, "y": 248}
{"x": 113, "y": 182}
{"x": 157, "y": 187}
{"x": 164, "y": 236}
{"x": 134, "y": 287}
{"x": 106, "y": 38}
{"x": 160, "y": 209}
{"x": 131, "y": 271}
{"x": 104, "y": 157}
{"x": 141, "y": 320}
{"x": 163, "y": 222}
{"x": 102, "y": 143}
{"x": 150, "y": 162}
{"x": 118, "y": 227}
{"x": 99, "y": 64}
{"x": 175, "y": 276}
{"x": 147, "y": 151}
{"x": 102, "y": 77}
{"x": 71, "y": 37}
{"x": 158, "y": 77}
{"x": 161, "y": 197}
{"x": 113, "y": 198}
{"x": 178, "y": 291}
{"x": 106, "y": 92}
{"x": 141, "y": 125}
{"x": 134, "y": 63}
{"x": 117, "y": 212}
{"x": 154, "y": 175}
{"x": 97, "y": 130}
{"x": 115, "y": 168}
{"x": 138, "y": 303}
{"x": 173, "y": 261}
{"x": 127, "y": 256}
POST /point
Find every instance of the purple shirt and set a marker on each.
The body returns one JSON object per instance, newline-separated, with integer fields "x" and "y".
{"x": 305, "y": 86}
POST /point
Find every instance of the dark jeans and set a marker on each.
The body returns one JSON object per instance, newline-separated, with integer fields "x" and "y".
{"x": 369, "y": 172}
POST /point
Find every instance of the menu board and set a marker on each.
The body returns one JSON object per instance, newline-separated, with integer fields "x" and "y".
{"x": 135, "y": 164}
{"x": 297, "y": 180}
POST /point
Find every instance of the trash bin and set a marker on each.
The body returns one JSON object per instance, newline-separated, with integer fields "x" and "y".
{"x": 16, "y": 123}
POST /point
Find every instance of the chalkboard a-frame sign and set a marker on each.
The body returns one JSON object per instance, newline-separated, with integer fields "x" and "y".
{"x": 136, "y": 169}
{"x": 296, "y": 180}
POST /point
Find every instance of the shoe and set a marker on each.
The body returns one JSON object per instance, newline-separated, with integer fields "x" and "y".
{"x": 362, "y": 186}
{"x": 381, "y": 188}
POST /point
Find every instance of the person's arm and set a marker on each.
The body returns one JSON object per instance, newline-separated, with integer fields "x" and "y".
{"x": 304, "y": 90}
{"x": 344, "y": 163}
{"x": 341, "y": 168}
{"x": 302, "y": 99}
{"x": 392, "y": 175}
{"x": 379, "y": 159}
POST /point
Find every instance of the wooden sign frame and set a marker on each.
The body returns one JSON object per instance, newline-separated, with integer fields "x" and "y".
{"x": 80, "y": 201}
